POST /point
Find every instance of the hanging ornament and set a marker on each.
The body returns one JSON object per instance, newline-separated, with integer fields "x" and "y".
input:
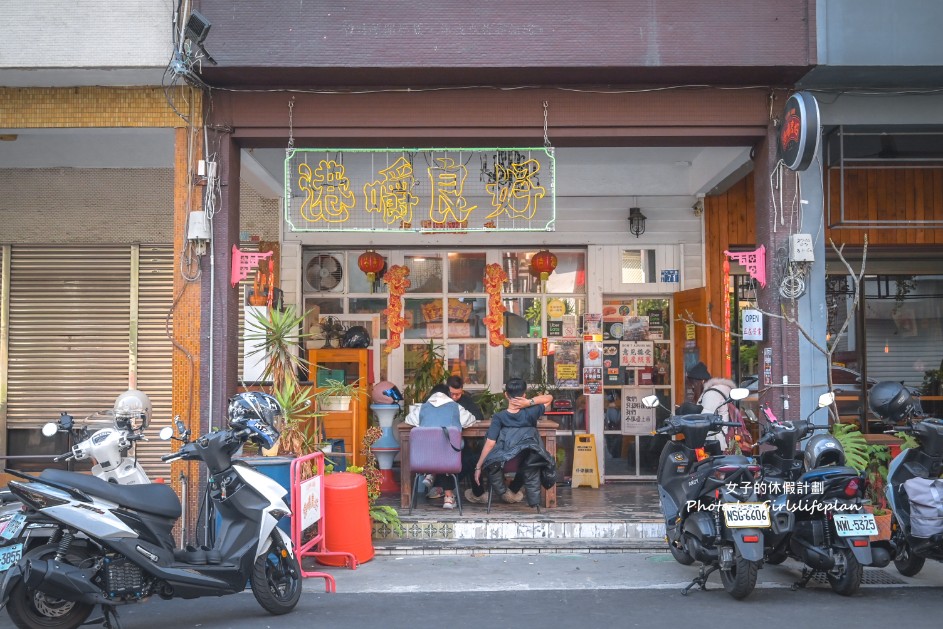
{"x": 495, "y": 277}
{"x": 371, "y": 263}
{"x": 542, "y": 264}
{"x": 396, "y": 279}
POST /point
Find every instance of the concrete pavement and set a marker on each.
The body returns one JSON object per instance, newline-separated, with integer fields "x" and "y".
{"x": 568, "y": 571}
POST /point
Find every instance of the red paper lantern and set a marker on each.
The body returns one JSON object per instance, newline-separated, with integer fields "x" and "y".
{"x": 543, "y": 263}
{"x": 371, "y": 263}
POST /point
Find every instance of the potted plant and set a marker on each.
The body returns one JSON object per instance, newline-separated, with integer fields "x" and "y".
{"x": 427, "y": 373}
{"x": 879, "y": 457}
{"x": 490, "y": 403}
{"x": 336, "y": 395}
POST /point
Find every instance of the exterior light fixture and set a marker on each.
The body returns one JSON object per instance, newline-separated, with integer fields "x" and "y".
{"x": 636, "y": 221}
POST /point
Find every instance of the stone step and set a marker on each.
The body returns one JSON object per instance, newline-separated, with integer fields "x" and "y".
{"x": 475, "y": 534}
{"x": 441, "y": 546}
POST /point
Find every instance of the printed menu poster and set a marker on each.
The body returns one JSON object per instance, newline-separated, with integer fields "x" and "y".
{"x": 592, "y": 324}
{"x": 636, "y": 329}
{"x": 566, "y": 364}
{"x": 636, "y": 419}
{"x": 636, "y": 353}
{"x": 592, "y": 350}
{"x": 592, "y": 380}
{"x": 610, "y": 363}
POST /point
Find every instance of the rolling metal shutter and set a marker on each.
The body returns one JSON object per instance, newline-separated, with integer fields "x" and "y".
{"x": 69, "y": 330}
{"x": 155, "y": 350}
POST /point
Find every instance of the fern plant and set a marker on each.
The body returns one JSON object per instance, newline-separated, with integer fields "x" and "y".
{"x": 853, "y": 443}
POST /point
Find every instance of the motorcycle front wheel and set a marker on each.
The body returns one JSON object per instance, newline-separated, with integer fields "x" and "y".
{"x": 848, "y": 582}
{"x": 276, "y": 579}
{"x": 740, "y": 579}
{"x": 31, "y": 609}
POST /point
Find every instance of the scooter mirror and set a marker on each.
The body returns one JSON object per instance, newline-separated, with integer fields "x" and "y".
{"x": 826, "y": 399}
{"x": 166, "y": 433}
{"x": 65, "y": 421}
{"x": 739, "y": 394}
{"x": 50, "y": 429}
{"x": 650, "y": 401}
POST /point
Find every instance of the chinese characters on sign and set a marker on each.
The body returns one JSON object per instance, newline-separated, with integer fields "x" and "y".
{"x": 636, "y": 353}
{"x": 424, "y": 190}
{"x": 751, "y": 325}
{"x": 636, "y": 419}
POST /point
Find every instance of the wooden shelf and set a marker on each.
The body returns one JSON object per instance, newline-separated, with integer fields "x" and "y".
{"x": 349, "y": 425}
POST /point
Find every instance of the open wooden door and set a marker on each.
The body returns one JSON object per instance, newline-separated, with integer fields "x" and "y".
{"x": 692, "y": 305}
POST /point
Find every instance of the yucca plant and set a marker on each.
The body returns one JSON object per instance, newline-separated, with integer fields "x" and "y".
{"x": 278, "y": 335}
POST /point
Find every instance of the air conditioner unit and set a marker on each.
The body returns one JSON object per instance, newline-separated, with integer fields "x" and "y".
{"x": 323, "y": 272}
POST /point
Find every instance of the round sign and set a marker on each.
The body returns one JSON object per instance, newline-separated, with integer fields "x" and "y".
{"x": 555, "y": 309}
{"x": 799, "y": 134}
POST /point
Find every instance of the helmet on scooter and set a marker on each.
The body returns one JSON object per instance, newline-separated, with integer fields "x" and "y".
{"x": 258, "y": 412}
{"x": 823, "y": 450}
{"x": 356, "y": 337}
{"x": 891, "y": 401}
{"x": 132, "y": 410}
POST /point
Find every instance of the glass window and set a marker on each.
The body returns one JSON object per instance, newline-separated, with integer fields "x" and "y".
{"x": 638, "y": 266}
{"x": 357, "y": 279}
{"x": 423, "y": 317}
{"x": 523, "y": 361}
{"x": 466, "y": 272}
{"x": 425, "y": 273}
{"x": 465, "y": 318}
{"x": 370, "y": 305}
{"x": 517, "y": 265}
{"x": 470, "y": 361}
{"x": 570, "y": 274}
{"x": 522, "y": 319}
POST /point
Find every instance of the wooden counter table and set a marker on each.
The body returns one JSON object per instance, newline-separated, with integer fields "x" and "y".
{"x": 546, "y": 428}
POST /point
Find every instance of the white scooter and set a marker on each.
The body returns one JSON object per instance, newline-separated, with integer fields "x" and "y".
{"x": 110, "y": 448}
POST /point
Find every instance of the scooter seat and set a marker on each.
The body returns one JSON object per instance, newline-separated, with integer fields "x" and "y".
{"x": 157, "y": 498}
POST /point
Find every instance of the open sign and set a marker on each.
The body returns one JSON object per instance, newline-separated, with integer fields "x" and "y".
{"x": 751, "y": 325}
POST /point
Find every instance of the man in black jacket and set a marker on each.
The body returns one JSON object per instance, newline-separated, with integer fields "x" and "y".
{"x": 454, "y": 387}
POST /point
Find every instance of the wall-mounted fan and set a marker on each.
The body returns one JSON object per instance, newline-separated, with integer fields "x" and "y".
{"x": 324, "y": 273}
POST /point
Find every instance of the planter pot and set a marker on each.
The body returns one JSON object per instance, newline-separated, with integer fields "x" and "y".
{"x": 336, "y": 403}
{"x": 884, "y": 525}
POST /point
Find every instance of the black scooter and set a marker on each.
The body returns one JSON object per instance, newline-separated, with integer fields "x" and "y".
{"x": 113, "y": 544}
{"x": 711, "y": 511}
{"x": 816, "y": 503}
{"x": 913, "y": 477}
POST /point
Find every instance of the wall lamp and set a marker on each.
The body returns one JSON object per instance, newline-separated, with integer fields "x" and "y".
{"x": 636, "y": 221}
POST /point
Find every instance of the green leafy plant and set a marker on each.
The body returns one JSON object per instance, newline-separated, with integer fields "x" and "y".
{"x": 907, "y": 441}
{"x": 302, "y": 431}
{"x": 490, "y": 403}
{"x": 278, "y": 336}
{"x": 876, "y": 471}
{"x": 853, "y": 443}
{"x": 383, "y": 514}
{"x": 337, "y": 388}
{"x": 427, "y": 373}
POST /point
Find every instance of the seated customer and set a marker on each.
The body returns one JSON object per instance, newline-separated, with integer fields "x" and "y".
{"x": 441, "y": 410}
{"x": 514, "y": 432}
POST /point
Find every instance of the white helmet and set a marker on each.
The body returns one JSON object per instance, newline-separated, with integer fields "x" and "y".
{"x": 133, "y": 410}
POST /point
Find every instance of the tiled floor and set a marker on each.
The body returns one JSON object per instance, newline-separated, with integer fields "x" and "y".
{"x": 616, "y": 501}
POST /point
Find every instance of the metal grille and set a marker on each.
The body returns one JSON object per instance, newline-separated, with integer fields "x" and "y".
{"x": 69, "y": 330}
{"x": 871, "y": 576}
{"x": 123, "y": 577}
{"x": 155, "y": 350}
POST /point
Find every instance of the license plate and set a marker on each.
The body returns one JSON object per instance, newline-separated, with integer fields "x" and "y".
{"x": 746, "y": 515}
{"x": 855, "y": 525}
{"x": 9, "y": 555}
{"x": 14, "y": 526}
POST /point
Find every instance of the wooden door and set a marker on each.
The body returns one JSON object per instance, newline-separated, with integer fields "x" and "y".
{"x": 692, "y": 305}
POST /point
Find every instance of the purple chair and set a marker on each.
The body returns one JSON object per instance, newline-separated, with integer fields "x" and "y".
{"x": 435, "y": 450}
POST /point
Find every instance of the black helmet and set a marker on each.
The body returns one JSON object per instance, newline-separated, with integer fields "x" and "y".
{"x": 823, "y": 450}
{"x": 356, "y": 337}
{"x": 259, "y": 413}
{"x": 891, "y": 401}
